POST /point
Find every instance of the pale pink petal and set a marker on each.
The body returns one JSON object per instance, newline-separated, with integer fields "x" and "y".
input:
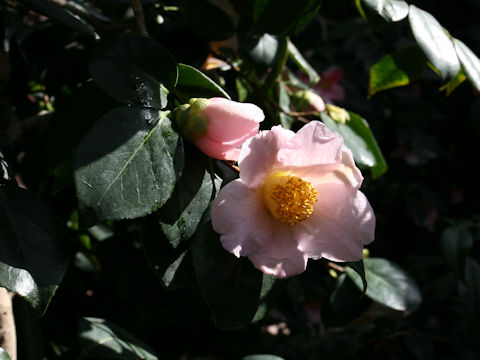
{"x": 313, "y": 144}
{"x": 259, "y": 155}
{"x": 231, "y": 120}
{"x": 239, "y": 216}
{"x": 342, "y": 222}
{"x": 216, "y": 149}
{"x": 294, "y": 264}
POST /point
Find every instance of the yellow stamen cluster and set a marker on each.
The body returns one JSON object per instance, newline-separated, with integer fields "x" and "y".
{"x": 289, "y": 198}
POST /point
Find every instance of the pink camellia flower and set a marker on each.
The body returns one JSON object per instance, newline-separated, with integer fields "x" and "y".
{"x": 297, "y": 198}
{"x": 218, "y": 126}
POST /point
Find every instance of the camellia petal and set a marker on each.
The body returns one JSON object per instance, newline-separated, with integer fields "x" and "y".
{"x": 297, "y": 198}
{"x": 218, "y": 126}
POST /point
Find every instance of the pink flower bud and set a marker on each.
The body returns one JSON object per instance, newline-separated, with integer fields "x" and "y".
{"x": 218, "y": 126}
{"x": 307, "y": 100}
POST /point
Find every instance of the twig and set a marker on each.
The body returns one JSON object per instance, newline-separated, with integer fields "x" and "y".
{"x": 335, "y": 267}
{"x": 230, "y": 165}
{"x": 140, "y": 17}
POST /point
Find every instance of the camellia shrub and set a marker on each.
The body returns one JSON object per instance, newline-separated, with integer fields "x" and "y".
{"x": 239, "y": 179}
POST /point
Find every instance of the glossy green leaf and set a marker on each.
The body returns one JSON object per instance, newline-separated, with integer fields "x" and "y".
{"x": 303, "y": 64}
{"x": 4, "y": 355}
{"x": 163, "y": 259}
{"x": 261, "y": 50}
{"x": 358, "y": 268}
{"x": 359, "y": 139}
{"x": 181, "y": 214}
{"x": 389, "y": 285}
{"x": 125, "y": 167}
{"x": 434, "y": 41}
{"x": 284, "y": 101}
{"x": 396, "y": 69}
{"x": 34, "y": 247}
{"x": 232, "y": 288}
{"x": 469, "y": 61}
{"x": 192, "y": 83}
{"x": 390, "y": 10}
{"x": 101, "y": 339}
{"x": 207, "y": 20}
{"x": 285, "y": 17}
{"x": 134, "y": 70}
{"x": 262, "y": 357}
{"x": 58, "y": 13}
{"x": 456, "y": 242}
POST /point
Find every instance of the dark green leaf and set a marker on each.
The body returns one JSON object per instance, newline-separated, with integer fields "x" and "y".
{"x": 262, "y": 357}
{"x": 470, "y": 62}
{"x": 434, "y": 41}
{"x": 390, "y": 10}
{"x": 285, "y": 17}
{"x": 358, "y": 268}
{"x": 192, "y": 83}
{"x": 389, "y": 285}
{"x": 396, "y": 69}
{"x": 56, "y": 12}
{"x": 181, "y": 214}
{"x": 303, "y": 64}
{"x": 34, "y": 247}
{"x": 471, "y": 297}
{"x": 126, "y": 166}
{"x": 233, "y": 289}
{"x": 134, "y": 70}
{"x": 261, "y": 50}
{"x": 4, "y": 355}
{"x": 206, "y": 20}
{"x": 456, "y": 241}
{"x": 284, "y": 101}
{"x": 100, "y": 339}
{"x": 359, "y": 139}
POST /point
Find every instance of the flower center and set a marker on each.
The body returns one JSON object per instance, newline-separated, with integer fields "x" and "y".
{"x": 289, "y": 198}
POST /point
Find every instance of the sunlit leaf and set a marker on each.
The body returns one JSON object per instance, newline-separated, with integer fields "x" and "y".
{"x": 434, "y": 41}
{"x": 125, "y": 167}
{"x": 100, "y": 339}
{"x": 359, "y": 139}
{"x": 134, "y": 70}
{"x": 396, "y": 69}
{"x": 34, "y": 247}
{"x": 359, "y": 269}
{"x": 303, "y": 64}
{"x": 389, "y": 285}
{"x": 470, "y": 62}
{"x": 192, "y": 83}
{"x": 390, "y": 10}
